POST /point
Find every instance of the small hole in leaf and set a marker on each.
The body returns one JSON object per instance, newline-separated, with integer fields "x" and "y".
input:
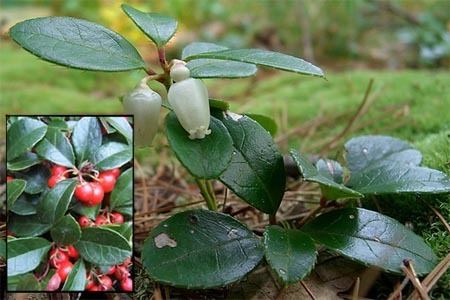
{"x": 193, "y": 219}
{"x": 351, "y": 217}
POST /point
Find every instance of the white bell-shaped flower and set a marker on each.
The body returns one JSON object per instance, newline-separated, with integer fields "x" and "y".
{"x": 189, "y": 100}
{"x": 145, "y": 105}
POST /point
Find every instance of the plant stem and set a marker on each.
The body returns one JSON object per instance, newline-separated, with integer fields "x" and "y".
{"x": 207, "y": 193}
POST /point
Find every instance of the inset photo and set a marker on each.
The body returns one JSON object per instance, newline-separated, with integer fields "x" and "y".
{"x": 69, "y": 203}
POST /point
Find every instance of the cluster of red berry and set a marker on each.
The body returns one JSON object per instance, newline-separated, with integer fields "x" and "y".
{"x": 89, "y": 193}
{"x": 102, "y": 281}
{"x": 102, "y": 219}
{"x": 61, "y": 258}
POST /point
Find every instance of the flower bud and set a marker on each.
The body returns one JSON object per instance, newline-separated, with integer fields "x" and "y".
{"x": 179, "y": 72}
{"x": 189, "y": 100}
{"x": 145, "y": 105}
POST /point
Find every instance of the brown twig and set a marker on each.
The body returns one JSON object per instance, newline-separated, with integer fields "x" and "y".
{"x": 398, "y": 289}
{"x": 409, "y": 272}
{"x": 310, "y": 293}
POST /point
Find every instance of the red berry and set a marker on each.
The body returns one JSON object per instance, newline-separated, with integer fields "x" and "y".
{"x": 116, "y": 218}
{"x": 126, "y": 285}
{"x": 57, "y": 170}
{"x": 72, "y": 252}
{"x": 64, "y": 269}
{"x": 57, "y": 257}
{"x": 53, "y": 180}
{"x": 107, "y": 181}
{"x": 90, "y": 284}
{"x": 9, "y": 178}
{"x": 115, "y": 172}
{"x": 105, "y": 282}
{"x": 101, "y": 220}
{"x": 127, "y": 262}
{"x": 111, "y": 270}
{"x": 54, "y": 283}
{"x": 97, "y": 194}
{"x": 84, "y": 221}
{"x": 121, "y": 272}
{"x": 83, "y": 192}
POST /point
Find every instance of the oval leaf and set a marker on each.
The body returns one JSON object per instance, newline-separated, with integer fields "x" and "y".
{"x": 36, "y": 179}
{"x": 121, "y": 125}
{"x": 264, "y": 58}
{"x": 290, "y": 253}
{"x": 89, "y": 211}
{"x": 28, "y": 282}
{"x": 102, "y": 246}
{"x": 66, "y": 231}
{"x": 23, "y": 135}
{"x": 200, "y": 47}
{"x": 331, "y": 169}
{"x": 25, "y": 254}
{"x": 14, "y": 189}
{"x": 266, "y": 122}
{"x": 55, "y": 202}
{"x": 213, "y": 248}
{"x": 86, "y": 138}
{"x": 371, "y": 238}
{"x": 197, "y": 155}
{"x": 76, "y": 43}
{"x": 76, "y": 281}
{"x": 56, "y": 148}
{"x": 158, "y": 28}
{"x": 256, "y": 172}
{"x": 25, "y": 205}
{"x": 24, "y": 161}
{"x": 331, "y": 190}
{"x": 25, "y": 226}
{"x": 122, "y": 196}
{"x": 112, "y": 155}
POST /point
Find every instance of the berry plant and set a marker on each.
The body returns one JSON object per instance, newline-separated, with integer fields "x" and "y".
{"x": 205, "y": 248}
{"x": 69, "y": 198}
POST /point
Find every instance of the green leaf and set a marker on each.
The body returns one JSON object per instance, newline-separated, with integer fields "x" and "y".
{"x": 23, "y": 135}
{"x": 25, "y": 226}
{"x": 112, "y": 155}
{"x": 122, "y": 195}
{"x": 86, "y": 138}
{"x": 122, "y": 126}
{"x": 103, "y": 246}
{"x": 55, "y": 202}
{"x": 385, "y": 165}
{"x": 76, "y": 43}
{"x": 89, "y": 211}
{"x": 331, "y": 189}
{"x": 28, "y": 282}
{"x": 266, "y": 122}
{"x": 215, "y": 68}
{"x": 256, "y": 172}
{"x": 218, "y": 104}
{"x": 158, "y": 28}
{"x": 2, "y": 248}
{"x": 290, "y": 253}
{"x": 36, "y": 179}
{"x": 206, "y": 158}
{"x": 25, "y": 205}
{"x": 14, "y": 189}
{"x": 213, "y": 248}
{"x": 76, "y": 280}
{"x": 25, "y": 254}
{"x": 56, "y": 148}
{"x": 66, "y": 231}
{"x": 24, "y": 161}
{"x": 371, "y": 238}
{"x": 331, "y": 169}
{"x": 125, "y": 229}
{"x": 264, "y": 58}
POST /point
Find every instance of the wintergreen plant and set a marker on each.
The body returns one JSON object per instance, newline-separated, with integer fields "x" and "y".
{"x": 205, "y": 248}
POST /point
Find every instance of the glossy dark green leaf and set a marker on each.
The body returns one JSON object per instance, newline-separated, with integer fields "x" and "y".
{"x": 330, "y": 168}
{"x": 58, "y": 123}
{"x": 103, "y": 246}
{"x": 330, "y": 189}
{"x": 76, "y": 280}
{"x": 86, "y": 138}
{"x": 56, "y": 148}
{"x": 218, "y": 104}
{"x": 25, "y": 205}
{"x": 215, "y": 68}
{"x": 385, "y": 165}
{"x": 25, "y": 226}
{"x": 25, "y": 254}
{"x": 158, "y": 28}
{"x": 197, "y": 155}
{"x": 266, "y": 122}
{"x": 14, "y": 189}
{"x": 213, "y": 248}
{"x": 23, "y": 135}
{"x": 371, "y": 238}
{"x": 256, "y": 172}
{"x": 122, "y": 196}
{"x": 89, "y": 211}
{"x": 125, "y": 229}
{"x": 36, "y": 178}
{"x": 264, "y": 58}
{"x": 122, "y": 126}
{"x": 55, "y": 202}
{"x": 24, "y": 161}
{"x": 290, "y": 253}
{"x": 66, "y": 231}
{"x": 112, "y": 155}
{"x": 76, "y": 43}
{"x": 28, "y": 282}
{"x": 2, "y": 248}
